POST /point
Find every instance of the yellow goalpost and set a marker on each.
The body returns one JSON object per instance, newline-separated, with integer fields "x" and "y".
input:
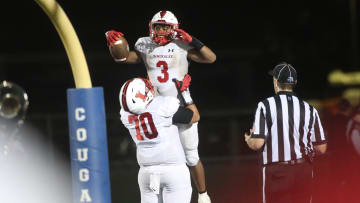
{"x": 70, "y": 40}
{"x": 86, "y": 115}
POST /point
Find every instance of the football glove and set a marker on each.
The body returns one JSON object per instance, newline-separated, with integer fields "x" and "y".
{"x": 183, "y": 36}
{"x": 184, "y": 84}
{"x": 112, "y": 36}
{"x": 204, "y": 198}
{"x": 183, "y": 89}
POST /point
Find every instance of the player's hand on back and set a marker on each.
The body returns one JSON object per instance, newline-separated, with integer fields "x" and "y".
{"x": 183, "y": 89}
{"x": 112, "y": 36}
{"x": 184, "y": 84}
{"x": 183, "y": 36}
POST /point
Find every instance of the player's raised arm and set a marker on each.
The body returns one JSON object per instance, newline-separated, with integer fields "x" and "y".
{"x": 200, "y": 53}
{"x": 188, "y": 114}
{"x": 119, "y": 48}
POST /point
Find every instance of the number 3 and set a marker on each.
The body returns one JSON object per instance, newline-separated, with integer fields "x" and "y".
{"x": 150, "y": 121}
{"x": 164, "y": 70}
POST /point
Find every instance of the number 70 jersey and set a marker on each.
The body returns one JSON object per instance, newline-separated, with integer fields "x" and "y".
{"x": 163, "y": 63}
{"x": 157, "y": 139}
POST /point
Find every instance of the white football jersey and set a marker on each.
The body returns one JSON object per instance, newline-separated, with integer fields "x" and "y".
{"x": 163, "y": 63}
{"x": 156, "y": 138}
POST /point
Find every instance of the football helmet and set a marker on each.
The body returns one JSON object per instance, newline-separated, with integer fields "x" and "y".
{"x": 13, "y": 101}
{"x": 164, "y": 18}
{"x": 136, "y": 94}
{"x": 13, "y": 107}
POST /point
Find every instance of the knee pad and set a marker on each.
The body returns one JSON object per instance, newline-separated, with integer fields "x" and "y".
{"x": 190, "y": 140}
{"x": 192, "y": 157}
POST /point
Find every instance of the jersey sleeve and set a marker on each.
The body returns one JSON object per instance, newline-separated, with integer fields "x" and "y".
{"x": 171, "y": 105}
{"x": 140, "y": 45}
{"x": 318, "y": 136}
{"x": 259, "y": 125}
{"x": 123, "y": 117}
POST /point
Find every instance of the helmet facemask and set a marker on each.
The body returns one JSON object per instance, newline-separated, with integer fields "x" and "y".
{"x": 163, "y": 19}
{"x": 162, "y": 37}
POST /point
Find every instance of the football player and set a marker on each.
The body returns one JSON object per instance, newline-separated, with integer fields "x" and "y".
{"x": 353, "y": 130}
{"x": 166, "y": 53}
{"x": 163, "y": 174}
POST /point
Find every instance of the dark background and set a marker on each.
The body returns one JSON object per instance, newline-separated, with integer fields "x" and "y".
{"x": 249, "y": 38}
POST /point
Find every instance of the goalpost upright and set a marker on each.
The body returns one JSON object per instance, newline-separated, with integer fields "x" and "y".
{"x": 86, "y": 115}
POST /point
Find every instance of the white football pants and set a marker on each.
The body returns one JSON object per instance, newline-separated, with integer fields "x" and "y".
{"x": 189, "y": 138}
{"x": 165, "y": 184}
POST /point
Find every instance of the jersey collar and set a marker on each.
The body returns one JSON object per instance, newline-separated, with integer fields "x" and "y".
{"x": 286, "y": 92}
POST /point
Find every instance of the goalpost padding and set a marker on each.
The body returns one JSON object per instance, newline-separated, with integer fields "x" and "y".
{"x": 86, "y": 112}
{"x": 88, "y": 145}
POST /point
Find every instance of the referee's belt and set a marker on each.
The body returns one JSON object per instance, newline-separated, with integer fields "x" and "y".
{"x": 290, "y": 162}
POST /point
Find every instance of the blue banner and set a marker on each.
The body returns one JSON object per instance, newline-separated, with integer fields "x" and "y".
{"x": 88, "y": 145}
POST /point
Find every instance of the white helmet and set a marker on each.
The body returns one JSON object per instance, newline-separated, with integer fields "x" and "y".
{"x": 135, "y": 95}
{"x": 167, "y": 18}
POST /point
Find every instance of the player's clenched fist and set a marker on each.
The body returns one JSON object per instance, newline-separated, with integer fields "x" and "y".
{"x": 112, "y": 36}
{"x": 183, "y": 36}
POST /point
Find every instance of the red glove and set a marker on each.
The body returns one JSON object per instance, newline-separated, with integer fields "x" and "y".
{"x": 183, "y": 89}
{"x": 184, "y": 84}
{"x": 183, "y": 36}
{"x": 112, "y": 36}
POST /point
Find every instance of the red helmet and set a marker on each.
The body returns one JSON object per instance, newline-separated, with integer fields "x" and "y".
{"x": 165, "y": 18}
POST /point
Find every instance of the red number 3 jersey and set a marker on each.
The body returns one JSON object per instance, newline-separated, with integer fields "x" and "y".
{"x": 156, "y": 138}
{"x": 163, "y": 63}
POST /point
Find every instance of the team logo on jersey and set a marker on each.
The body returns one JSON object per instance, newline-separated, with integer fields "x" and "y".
{"x": 162, "y": 56}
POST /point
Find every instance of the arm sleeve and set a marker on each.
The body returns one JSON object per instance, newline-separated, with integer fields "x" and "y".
{"x": 318, "y": 136}
{"x": 183, "y": 115}
{"x": 259, "y": 125}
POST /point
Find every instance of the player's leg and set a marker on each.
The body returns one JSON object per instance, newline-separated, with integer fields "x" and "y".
{"x": 177, "y": 184}
{"x": 190, "y": 141}
{"x": 198, "y": 175}
{"x": 146, "y": 193}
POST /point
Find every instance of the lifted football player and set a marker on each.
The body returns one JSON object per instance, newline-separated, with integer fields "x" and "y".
{"x": 166, "y": 54}
{"x": 163, "y": 174}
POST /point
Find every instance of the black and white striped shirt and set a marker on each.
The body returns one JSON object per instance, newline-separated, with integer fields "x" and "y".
{"x": 290, "y": 127}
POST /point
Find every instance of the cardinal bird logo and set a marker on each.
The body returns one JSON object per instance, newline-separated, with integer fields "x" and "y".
{"x": 162, "y": 13}
{"x": 141, "y": 96}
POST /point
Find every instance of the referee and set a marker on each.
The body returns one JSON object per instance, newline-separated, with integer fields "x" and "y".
{"x": 288, "y": 133}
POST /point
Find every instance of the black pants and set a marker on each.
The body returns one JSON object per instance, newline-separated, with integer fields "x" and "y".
{"x": 287, "y": 183}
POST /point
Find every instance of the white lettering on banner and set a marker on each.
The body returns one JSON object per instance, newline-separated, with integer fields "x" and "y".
{"x": 81, "y": 134}
{"x": 84, "y": 175}
{"x": 85, "y": 196}
{"x": 82, "y": 154}
{"x": 79, "y": 114}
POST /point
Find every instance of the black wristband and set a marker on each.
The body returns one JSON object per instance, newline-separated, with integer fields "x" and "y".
{"x": 196, "y": 43}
